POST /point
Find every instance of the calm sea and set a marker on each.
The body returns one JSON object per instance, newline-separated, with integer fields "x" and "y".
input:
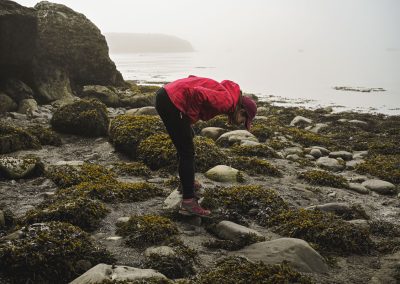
{"x": 301, "y": 78}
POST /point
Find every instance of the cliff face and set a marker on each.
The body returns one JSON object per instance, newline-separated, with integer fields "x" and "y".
{"x": 53, "y": 49}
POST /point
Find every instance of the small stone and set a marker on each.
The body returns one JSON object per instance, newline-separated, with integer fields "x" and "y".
{"x": 342, "y": 120}
{"x": 380, "y": 186}
{"x": 69, "y": 163}
{"x": 316, "y": 153}
{"x": 360, "y": 155}
{"x": 223, "y": 173}
{"x": 249, "y": 143}
{"x": 293, "y": 150}
{"x": 156, "y": 180}
{"x": 309, "y": 157}
{"x": 115, "y": 238}
{"x": 323, "y": 150}
{"x": 329, "y": 164}
{"x": 212, "y": 132}
{"x": 332, "y": 194}
{"x": 347, "y": 156}
{"x": 351, "y": 165}
{"x": 358, "y": 188}
{"x": 231, "y": 231}
{"x": 123, "y": 219}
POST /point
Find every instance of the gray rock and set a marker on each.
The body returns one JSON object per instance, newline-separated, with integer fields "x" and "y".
{"x": 227, "y": 230}
{"x": 359, "y": 122}
{"x": 7, "y": 104}
{"x": 309, "y": 157}
{"x": 261, "y": 118}
{"x": 212, "y": 132}
{"x": 316, "y": 153}
{"x": 351, "y": 165}
{"x": 361, "y": 223}
{"x": 148, "y": 110}
{"x": 338, "y": 208}
{"x": 15, "y": 168}
{"x": 236, "y": 136}
{"x": 300, "y": 120}
{"x": 293, "y": 157}
{"x": 317, "y": 127}
{"x": 18, "y": 116}
{"x": 360, "y": 154}
{"x": 323, "y": 150}
{"x": 28, "y": 106}
{"x": 161, "y": 251}
{"x": 347, "y": 156}
{"x": 358, "y": 188}
{"x": 173, "y": 201}
{"x": 329, "y": 164}
{"x": 223, "y": 173}
{"x": 133, "y": 100}
{"x": 249, "y": 143}
{"x": 343, "y": 120}
{"x": 69, "y": 163}
{"x": 296, "y": 251}
{"x": 105, "y": 94}
{"x": 380, "y": 186}
{"x": 103, "y": 272}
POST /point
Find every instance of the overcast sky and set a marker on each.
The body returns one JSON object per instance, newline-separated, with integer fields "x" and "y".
{"x": 263, "y": 24}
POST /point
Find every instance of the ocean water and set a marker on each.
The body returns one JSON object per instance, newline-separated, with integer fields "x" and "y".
{"x": 300, "y": 77}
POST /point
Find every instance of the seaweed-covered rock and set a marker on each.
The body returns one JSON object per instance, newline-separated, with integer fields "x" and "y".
{"x": 158, "y": 151}
{"x": 212, "y": 132}
{"x": 109, "y": 274}
{"x": 49, "y": 253}
{"x": 86, "y": 118}
{"x": 28, "y": 106}
{"x": 7, "y": 220}
{"x": 46, "y": 136}
{"x": 324, "y": 178}
{"x": 80, "y": 211}
{"x": 127, "y": 131}
{"x": 328, "y": 232}
{"x": 15, "y": 168}
{"x": 343, "y": 210}
{"x": 307, "y": 138}
{"x": 298, "y": 253}
{"x": 383, "y": 166}
{"x": 7, "y": 104}
{"x": 106, "y": 95}
{"x": 241, "y": 270}
{"x": 255, "y": 166}
{"x": 251, "y": 201}
{"x": 147, "y": 230}
{"x": 261, "y": 150}
{"x": 132, "y": 168}
{"x": 15, "y": 139}
{"x": 174, "y": 262}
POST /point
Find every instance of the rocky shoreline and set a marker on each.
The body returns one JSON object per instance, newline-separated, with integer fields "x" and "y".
{"x": 89, "y": 189}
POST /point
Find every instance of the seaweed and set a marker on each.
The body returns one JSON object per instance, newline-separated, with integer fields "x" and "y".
{"x": 252, "y": 165}
{"x": 132, "y": 168}
{"x": 14, "y": 139}
{"x": 386, "y": 167}
{"x": 324, "y": 178}
{"x": 46, "y": 136}
{"x": 261, "y": 150}
{"x": 230, "y": 245}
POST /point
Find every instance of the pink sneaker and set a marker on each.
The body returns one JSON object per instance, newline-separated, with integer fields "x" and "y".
{"x": 191, "y": 207}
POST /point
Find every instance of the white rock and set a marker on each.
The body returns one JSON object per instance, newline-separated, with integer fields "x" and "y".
{"x": 329, "y": 164}
{"x": 212, "y": 132}
{"x": 223, "y": 173}
{"x": 113, "y": 239}
{"x": 300, "y": 120}
{"x": 359, "y": 122}
{"x": 380, "y": 186}
{"x": 28, "y": 106}
{"x": 296, "y": 251}
{"x": 173, "y": 201}
{"x": 261, "y": 118}
{"x": 236, "y": 136}
{"x": 15, "y": 168}
{"x": 360, "y": 154}
{"x": 317, "y": 127}
{"x": 309, "y": 157}
{"x": 102, "y": 272}
{"x": 123, "y": 219}
{"x": 231, "y": 231}
{"x": 249, "y": 143}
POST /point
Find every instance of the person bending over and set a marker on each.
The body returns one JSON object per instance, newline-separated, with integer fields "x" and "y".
{"x": 183, "y": 102}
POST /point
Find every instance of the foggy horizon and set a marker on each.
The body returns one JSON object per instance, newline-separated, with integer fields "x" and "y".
{"x": 271, "y": 25}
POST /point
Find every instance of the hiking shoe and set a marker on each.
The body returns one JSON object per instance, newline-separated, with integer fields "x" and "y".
{"x": 191, "y": 207}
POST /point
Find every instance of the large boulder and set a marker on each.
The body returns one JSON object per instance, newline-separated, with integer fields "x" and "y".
{"x": 71, "y": 49}
{"x": 14, "y": 139}
{"x": 18, "y": 27}
{"x": 296, "y": 251}
{"x": 86, "y": 118}
{"x": 6, "y": 104}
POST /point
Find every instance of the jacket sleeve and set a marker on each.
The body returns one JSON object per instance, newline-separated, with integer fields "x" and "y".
{"x": 218, "y": 99}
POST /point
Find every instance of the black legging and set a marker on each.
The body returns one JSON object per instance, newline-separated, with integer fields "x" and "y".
{"x": 180, "y": 131}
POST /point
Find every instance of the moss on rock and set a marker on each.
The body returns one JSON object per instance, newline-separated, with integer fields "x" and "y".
{"x": 127, "y": 131}
{"x": 158, "y": 151}
{"x": 147, "y": 230}
{"x": 262, "y": 130}
{"x": 249, "y": 201}
{"x": 261, "y": 150}
{"x": 386, "y": 167}
{"x": 79, "y": 211}
{"x": 14, "y": 139}
{"x": 84, "y": 117}
{"x": 237, "y": 269}
{"x": 316, "y": 177}
{"x": 326, "y": 231}
{"x": 307, "y": 138}
{"x": 133, "y": 168}
{"x": 49, "y": 253}
{"x": 242, "y": 242}
{"x": 252, "y": 165}
{"x": 46, "y": 136}
{"x": 217, "y": 121}
{"x": 177, "y": 265}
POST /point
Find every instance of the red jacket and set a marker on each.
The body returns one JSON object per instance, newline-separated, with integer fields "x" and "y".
{"x": 203, "y": 98}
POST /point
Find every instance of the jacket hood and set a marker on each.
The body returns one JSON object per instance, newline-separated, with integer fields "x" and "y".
{"x": 232, "y": 88}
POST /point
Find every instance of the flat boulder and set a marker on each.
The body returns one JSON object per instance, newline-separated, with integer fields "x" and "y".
{"x": 296, "y": 251}
{"x": 330, "y": 164}
{"x": 358, "y": 188}
{"x": 115, "y": 273}
{"x": 212, "y": 132}
{"x": 235, "y": 137}
{"x": 380, "y": 186}
{"x": 347, "y": 156}
{"x": 223, "y": 173}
